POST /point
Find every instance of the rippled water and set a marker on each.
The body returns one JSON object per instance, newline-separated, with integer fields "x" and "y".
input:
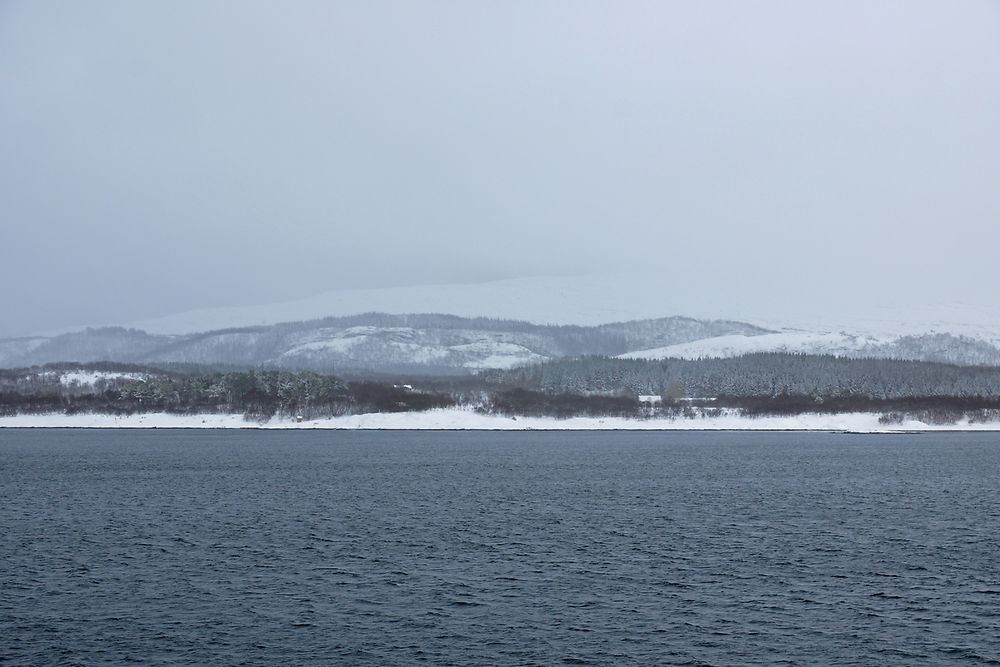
{"x": 208, "y": 547}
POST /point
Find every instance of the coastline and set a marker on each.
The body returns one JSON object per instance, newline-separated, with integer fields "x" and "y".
{"x": 458, "y": 419}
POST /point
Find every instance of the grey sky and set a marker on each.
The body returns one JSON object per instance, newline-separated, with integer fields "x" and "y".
{"x": 162, "y": 156}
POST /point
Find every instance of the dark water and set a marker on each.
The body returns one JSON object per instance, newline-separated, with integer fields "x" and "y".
{"x": 262, "y": 548}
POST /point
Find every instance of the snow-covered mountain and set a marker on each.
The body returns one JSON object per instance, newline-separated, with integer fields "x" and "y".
{"x": 542, "y": 318}
{"x": 370, "y": 342}
{"x": 449, "y": 344}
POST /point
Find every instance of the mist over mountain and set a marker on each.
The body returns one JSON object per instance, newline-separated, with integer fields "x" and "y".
{"x": 604, "y": 297}
{"x": 828, "y": 167}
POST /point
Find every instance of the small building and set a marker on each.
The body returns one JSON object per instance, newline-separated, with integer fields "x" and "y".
{"x": 650, "y": 399}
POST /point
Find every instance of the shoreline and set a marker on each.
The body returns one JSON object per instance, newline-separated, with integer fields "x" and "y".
{"x": 458, "y": 419}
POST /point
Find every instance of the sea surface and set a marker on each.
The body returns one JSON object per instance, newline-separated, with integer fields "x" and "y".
{"x": 479, "y": 548}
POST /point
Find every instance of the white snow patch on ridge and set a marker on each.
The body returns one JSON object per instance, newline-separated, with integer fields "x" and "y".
{"x": 90, "y": 378}
{"x": 493, "y": 354}
{"x": 408, "y": 345}
{"x": 785, "y": 341}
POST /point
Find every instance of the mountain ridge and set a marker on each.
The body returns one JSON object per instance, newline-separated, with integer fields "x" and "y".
{"x": 370, "y": 341}
{"x": 430, "y": 343}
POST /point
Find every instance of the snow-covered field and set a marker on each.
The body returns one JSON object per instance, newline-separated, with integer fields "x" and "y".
{"x": 464, "y": 419}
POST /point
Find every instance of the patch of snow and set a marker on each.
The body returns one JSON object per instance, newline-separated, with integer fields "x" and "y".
{"x": 502, "y": 362}
{"x": 339, "y": 341}
{"x": 90, "y": 378}
{"x": 417, "y": 353}
{"x": 362, "y": 331}
{"x": 785, "y": 341}
{"x": 495, "y": 354}
{"x": 337, "y": 345}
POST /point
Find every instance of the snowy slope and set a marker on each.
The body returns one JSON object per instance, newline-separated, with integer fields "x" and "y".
{"x": 841, "y": 344}
{"x": 945, "y": 348}
{"x": 393, "y": 347}
{"x": 372, "y": 342}
{"x": 866, "y": 324}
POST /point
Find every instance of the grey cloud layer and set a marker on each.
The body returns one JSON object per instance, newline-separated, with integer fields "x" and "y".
{"x": 156, "y": 157}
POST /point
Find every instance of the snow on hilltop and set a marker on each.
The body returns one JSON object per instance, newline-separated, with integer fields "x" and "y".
{"x": 805, "y": 342}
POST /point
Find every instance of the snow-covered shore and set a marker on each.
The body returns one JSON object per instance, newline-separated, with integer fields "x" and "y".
{"x": 465, "y": 419}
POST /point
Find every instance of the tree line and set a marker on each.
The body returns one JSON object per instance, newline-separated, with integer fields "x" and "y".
{"x": 755, "y": 385}
{"x": 257, "y": 394}
{"x": 757, "y": 375}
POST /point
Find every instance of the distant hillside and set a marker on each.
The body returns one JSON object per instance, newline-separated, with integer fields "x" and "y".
{"x": 752, "y": 385}
{"x": 373, "y": 342}
{"x": 449, "y": 344}
{"x": 940, "y": 347}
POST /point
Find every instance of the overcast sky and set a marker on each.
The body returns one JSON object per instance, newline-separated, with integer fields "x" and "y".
{"x": 162, "y": 156}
